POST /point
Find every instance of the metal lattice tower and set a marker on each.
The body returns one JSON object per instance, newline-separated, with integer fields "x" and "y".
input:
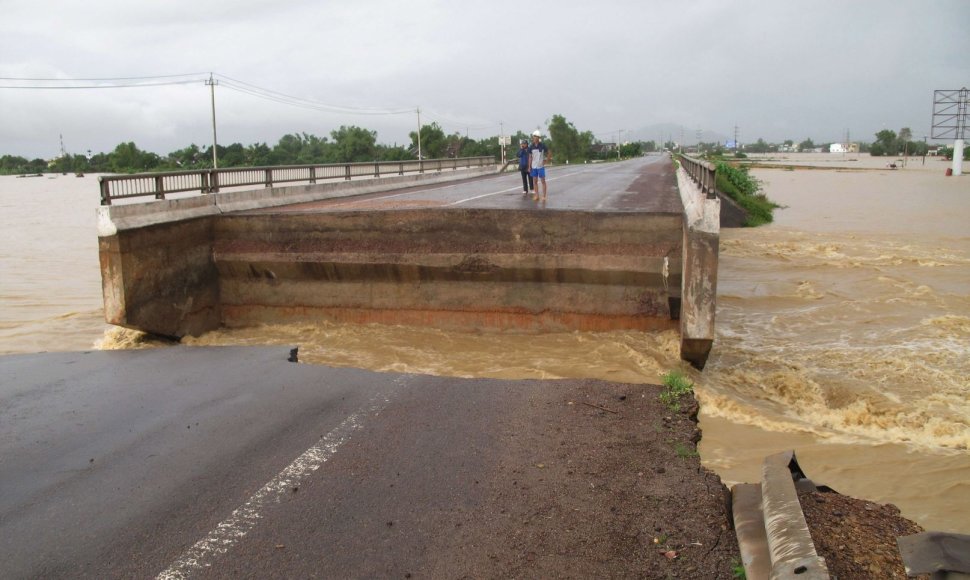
{"x": 950, "y": 120}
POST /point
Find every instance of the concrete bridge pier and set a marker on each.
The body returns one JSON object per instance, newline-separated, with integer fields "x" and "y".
{"x": 701, "y": 235}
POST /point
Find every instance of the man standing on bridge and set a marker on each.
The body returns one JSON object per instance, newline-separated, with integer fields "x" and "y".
{"x": 538, "y": 156}
{"x": 527, "y": 184}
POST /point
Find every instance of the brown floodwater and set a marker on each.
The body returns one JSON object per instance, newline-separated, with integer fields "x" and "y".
{"x": 843, "y": 329}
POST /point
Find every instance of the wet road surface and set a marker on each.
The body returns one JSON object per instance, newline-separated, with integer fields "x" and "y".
{"x": 219, "y": 462}
{"x": 645, "y": 184}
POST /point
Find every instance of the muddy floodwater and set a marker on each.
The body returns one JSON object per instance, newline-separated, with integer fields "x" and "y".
{"x": 843, "y": 328}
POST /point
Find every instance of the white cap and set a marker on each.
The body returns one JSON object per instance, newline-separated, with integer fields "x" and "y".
{"x": 536, "y": 133}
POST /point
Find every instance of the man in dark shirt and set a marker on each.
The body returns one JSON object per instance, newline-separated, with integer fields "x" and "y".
{"x": 527, "y": 184}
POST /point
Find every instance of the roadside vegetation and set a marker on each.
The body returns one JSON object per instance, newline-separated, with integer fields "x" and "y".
{"x": 736, "y": 182}
{"x": 675, "y": 386}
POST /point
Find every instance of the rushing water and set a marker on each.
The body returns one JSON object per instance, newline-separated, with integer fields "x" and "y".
{"x": 843, "y": 330}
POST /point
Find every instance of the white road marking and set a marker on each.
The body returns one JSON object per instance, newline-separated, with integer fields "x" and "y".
{"x": 484, "y": 195}
{"x": 372, "y": 199}
{"x": 244, "y": 518}
{"x": 516, "y": 188}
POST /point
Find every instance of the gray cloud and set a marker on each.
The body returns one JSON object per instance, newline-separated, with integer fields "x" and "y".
{"x": 777, "y": 70}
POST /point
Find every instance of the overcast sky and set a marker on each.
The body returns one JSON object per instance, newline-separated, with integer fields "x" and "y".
{"x": 775, "y": 69}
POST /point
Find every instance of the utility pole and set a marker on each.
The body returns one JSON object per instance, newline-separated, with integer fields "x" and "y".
{"x": 501, "y": 139}
{"x": 619, "y": 138}
{"x": 212, "y": 89}
{"x": 419, "y": 133}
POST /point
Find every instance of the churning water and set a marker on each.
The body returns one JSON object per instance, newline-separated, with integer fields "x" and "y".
{"x": 843, "y": 329}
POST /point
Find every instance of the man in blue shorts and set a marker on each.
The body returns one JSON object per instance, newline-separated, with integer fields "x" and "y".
{"x": 538, "y": 157}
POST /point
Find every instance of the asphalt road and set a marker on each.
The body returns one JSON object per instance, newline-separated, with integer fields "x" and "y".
{"x": 227, "y": 462}
{"x": 644, "y": 184}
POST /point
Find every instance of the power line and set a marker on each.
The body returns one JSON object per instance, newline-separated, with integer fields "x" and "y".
{"x": 240, "y": 86}
{"x": 284, "y": 98}
{"x": 102, "y": 78}
{"x": 102, "y": 86}
{"x": 457, "y": 126}
{"x": 186, "y": 78}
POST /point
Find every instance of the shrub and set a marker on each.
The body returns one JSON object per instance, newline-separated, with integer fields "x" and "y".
{"x": 676, "y": 385}
{"x": 737, "y": 183}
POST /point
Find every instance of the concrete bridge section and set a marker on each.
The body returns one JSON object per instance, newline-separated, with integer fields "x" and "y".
{"x": 621, "y": 245}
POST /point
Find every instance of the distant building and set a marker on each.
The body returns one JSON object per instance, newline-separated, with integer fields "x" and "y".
{"x": 844, "y": 148}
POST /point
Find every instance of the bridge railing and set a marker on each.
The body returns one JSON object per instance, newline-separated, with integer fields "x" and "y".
{"x": 204, "y": 181}
{"x": 703, "y": 173}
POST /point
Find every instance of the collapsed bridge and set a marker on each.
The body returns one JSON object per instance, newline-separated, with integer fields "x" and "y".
{"x": 452, "y": 244}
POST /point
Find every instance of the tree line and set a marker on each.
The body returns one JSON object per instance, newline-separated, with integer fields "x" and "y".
{"x": 348, "y": 144}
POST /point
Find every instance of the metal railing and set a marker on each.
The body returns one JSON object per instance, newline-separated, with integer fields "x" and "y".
{"x": 204, "y": 181}
{"x": 703, "y": 173}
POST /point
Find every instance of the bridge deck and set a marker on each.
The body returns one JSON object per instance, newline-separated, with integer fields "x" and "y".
{"x": 646, "y": 185}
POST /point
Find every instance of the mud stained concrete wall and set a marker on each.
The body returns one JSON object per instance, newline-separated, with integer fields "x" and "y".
{"x": 161, "y": 278}
{"x": 450, "y": 268}
{"x": 699, "y": 296}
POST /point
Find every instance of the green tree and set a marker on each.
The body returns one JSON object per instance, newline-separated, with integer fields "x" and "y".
{"x": 233, "y": 156}
{"x": 100, "y": 162}
{"x": 629, "y": 150}
{"x": 60, "y": 164}
{"x": 887, "y": 139}
{"x": 947, "y": 152}
{"x": 392, "y": 153}
{"x": 127, "y": 157}
{"x": 433, "y": 141}
{"x": 806, "y": 145}
{"x": 352, "y": 144}
{"x": 918, "y": 148}
{"x": 488, "y": 146}
{"x": 302, "y": 149}
{"x": 259, "y": 154}
{"x": 11, "y": 164}
{"x": 79, "y": 163}
{"x": 187, "y": 158}
{"x": 565, "y": 142}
